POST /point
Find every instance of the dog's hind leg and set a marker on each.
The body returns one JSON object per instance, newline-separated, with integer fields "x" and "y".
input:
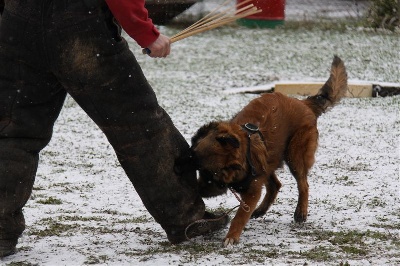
{"x": 300, "y": 158}
{"x": 272, "y": 185}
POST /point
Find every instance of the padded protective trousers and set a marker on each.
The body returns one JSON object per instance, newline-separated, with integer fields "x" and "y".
{"x": 51, "y": 48}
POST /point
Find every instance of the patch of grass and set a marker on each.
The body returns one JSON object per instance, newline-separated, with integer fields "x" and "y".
{"x": 328, "y": 253}
{"x": 354, "y": 250}
{"x": 342, "y": 178}
{"x": 82, "y": 219}
{"x": 353, "y": 243}
{"x": 346, "y": 238}
{"x": 320, "y": 253}
{"x": 134, "y": 220}
{"x": 68, "y": 225}
{"x": 130, "y": 220}
{"x": 85, "y": 165}
{"x": 194, "y": 251}
{"x": 50, "y": 201}
{"x": 96, "y": 259}
{"x": 255, "y": 254}
{"x": 345, "y": 180}
{"x": 112, "y": 212}
{"x": 376, "y": 202}
{"x": 384, "y": 237}
{"x": 20, "y": 263}
{"x": 49, "y": 153}
{"x": 104, "y": 230}
{"x": 360, "y": 167}
{"x": 328, "y": 247}
{"x": 55, "y": 229}
{"x": 394, "y": 226}
{"x": 62, "y": 184}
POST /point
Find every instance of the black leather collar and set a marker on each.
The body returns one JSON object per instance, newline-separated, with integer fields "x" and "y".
{"x": 251, "y": 129}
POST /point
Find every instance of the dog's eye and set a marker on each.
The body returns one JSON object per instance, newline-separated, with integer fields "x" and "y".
{"x": 232, "y": 141}
{"x": 222, "y": 140}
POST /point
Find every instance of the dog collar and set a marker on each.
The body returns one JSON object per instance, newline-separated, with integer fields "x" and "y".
{"x": 252, "y": 129}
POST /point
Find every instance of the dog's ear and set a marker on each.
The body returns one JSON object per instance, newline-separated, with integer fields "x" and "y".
{"x": 203, "y": 131}
{"x": 228, "y": 140}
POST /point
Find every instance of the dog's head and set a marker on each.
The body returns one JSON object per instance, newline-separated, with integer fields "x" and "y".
{"x": 219, "y": 151}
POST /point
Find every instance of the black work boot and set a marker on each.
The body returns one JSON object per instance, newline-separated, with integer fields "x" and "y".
{"x": 208, "y": 224}
{"x": 7, "y": 247}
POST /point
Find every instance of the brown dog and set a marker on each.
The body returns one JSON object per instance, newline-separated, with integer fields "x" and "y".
{"x": 244, "y": 153}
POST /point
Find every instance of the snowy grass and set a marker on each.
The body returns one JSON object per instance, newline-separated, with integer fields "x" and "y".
{"x": 84, "y": 211}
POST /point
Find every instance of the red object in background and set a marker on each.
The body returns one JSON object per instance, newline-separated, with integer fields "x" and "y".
{"x": 272, "y": 15}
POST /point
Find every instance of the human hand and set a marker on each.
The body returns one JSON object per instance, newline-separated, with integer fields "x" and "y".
{"x": 161, "y": 47}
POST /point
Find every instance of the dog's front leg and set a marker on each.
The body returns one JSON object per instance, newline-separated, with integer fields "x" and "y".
{"x": 242, "y": 216}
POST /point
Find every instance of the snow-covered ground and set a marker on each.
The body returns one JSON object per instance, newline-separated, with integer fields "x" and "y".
{"x": 84, "y": 210}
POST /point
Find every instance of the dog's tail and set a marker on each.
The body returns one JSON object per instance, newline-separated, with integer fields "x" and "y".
{"x": 333, "y": 90}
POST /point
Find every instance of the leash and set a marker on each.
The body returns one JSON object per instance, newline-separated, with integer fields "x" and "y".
{"x": 203, "y": 222}
{"x": 243, "y": 204}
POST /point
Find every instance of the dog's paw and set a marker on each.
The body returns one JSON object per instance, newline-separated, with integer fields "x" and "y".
{"x": 257, "y": 213}
{"x": 230, "y": 241}
{"x": 300, "y": 217}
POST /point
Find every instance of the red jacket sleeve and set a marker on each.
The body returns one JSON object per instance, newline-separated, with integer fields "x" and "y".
{"x": 133, "y": 18}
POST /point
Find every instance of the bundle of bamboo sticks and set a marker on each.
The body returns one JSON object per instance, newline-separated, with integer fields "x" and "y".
{"x": 220, "y": 16}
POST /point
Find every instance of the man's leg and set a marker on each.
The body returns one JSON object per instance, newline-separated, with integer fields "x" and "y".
{"x": 99, "y": 71}
{"x": 30, "y": 102}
